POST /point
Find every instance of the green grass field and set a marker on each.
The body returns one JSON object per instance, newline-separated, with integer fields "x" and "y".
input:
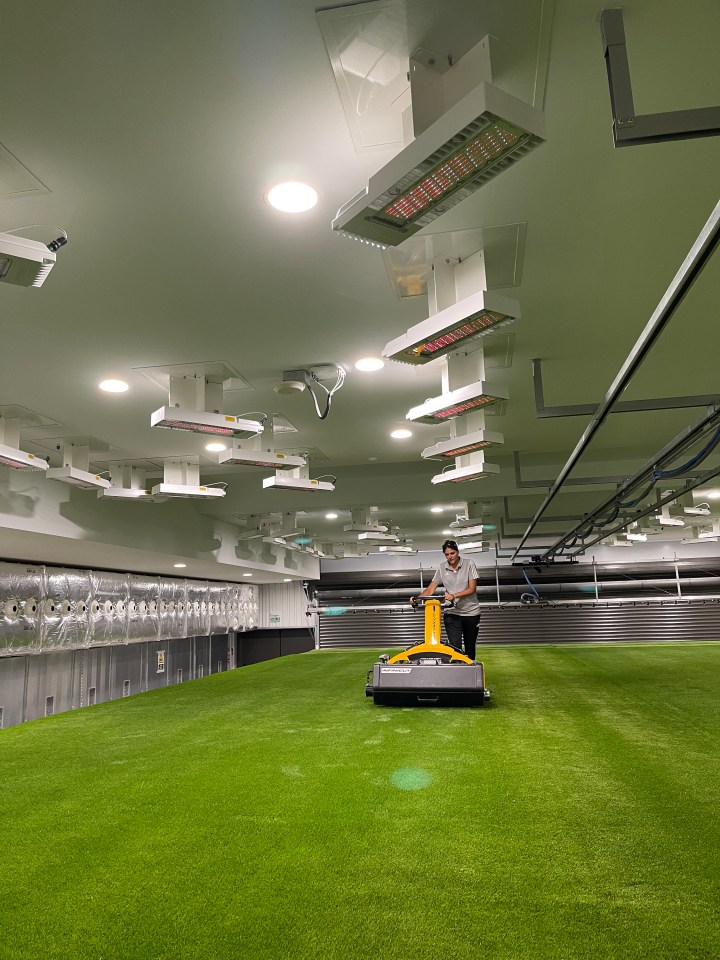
{"x": 274, "y": 812}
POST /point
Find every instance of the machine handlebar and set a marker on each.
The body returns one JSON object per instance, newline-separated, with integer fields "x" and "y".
{"x": 416, "y": 602}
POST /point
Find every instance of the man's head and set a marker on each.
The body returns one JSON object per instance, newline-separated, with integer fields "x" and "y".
{"x": 451, "y": 551}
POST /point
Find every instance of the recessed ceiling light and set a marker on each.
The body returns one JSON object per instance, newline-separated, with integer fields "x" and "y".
{"x": 401, "y": 434}
{"x": 292, "y": 197}
{"x": 113, "y": 386}
{"x": 331, "y": 516}
{"x": 247, "y": 574}
{"x": 287, "y": 580}
{"x": 436, "y": 509}
{"x": 368, "y": 364}
{"x": 216, "y": 447}
{"x": 179, "y": 565}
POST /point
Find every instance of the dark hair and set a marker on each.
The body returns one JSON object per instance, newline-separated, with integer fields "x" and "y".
{"x": 451, "y": 545}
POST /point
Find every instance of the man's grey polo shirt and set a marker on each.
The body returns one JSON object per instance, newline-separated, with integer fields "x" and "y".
{"x": 456, "y": 580}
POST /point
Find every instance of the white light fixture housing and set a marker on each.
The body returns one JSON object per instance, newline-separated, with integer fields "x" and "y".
{"x": 475, "y": 546}
{"x": 478, "y": 134}
{"x": 282, "y": 482}
{"x": 75, "y": 468}
{"x": 187, "y": 491}
{"x": 239, "y": 455}
{"x": 363, "y": 522}
{"x": 452, "y": 328}
{"x": 665, "y": 520}
{"x": 472, "y": 471}
{"x": 460, "y": 446}
{"x": 473, "y": 531}
{"x": 377, "y": 536}
{"x": 127, "y": 482}
{"x": 20, "y": 460}
{"x": 201, "y": 421}
{"x": 396, "y": 550}
{"x": 181, "y": 479}
{"x": 195, "y": 404}
{"x": 76, "y": 477}
{"x": 25, "y": 263}
{"x": 455, "y": 403}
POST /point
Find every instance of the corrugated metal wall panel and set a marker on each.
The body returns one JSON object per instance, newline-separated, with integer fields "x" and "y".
{"x": 285, "y": 601}
{"x": 371, "y": 628}
{"x": 642, "y": 622}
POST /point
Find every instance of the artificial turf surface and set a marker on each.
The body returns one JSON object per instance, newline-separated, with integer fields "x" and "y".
{"x": 274, "y": 812}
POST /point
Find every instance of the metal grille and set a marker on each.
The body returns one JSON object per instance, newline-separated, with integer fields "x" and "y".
{"x": 92, "y": 696}
{"x": 562, "y": 623}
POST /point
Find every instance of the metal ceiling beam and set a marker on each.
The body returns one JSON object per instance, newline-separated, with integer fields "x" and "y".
{"x": 630, "y": 128}
{"x": 699, "y": 254}
{"x": 622, "y": 406}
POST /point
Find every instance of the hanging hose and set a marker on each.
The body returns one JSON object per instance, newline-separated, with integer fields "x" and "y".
{"x": 697, "y": 459}
{"x": 530, "y": 598}
{"x": 311, "y": 384}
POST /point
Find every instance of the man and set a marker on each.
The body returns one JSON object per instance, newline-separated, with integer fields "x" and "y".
{"x": 459, "y": 577}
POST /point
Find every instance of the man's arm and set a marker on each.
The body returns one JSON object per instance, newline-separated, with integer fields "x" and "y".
{"x": 467, "y": 592}
{"x": 427, "y": 592}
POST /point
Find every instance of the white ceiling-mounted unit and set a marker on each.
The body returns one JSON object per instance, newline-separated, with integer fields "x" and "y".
{"x": 475, "y": 530}
{"x": 26, "y": 263}
{"x": 477, "y": 546}
{"x": 181, "y": 479}
{"x": 452, "y": 328}
{"x": 188, "y": 491}
{"x": 467, "y": 133}
{"x": 238, "y": 455}
{"x": 196, "y": 403}
{"x": 665, "y": 520}
{"x": 397, "y": 549}
{"x": 460, "y": 446}
{"x": 201, "y": 421}
{"x": 377, "y": 537}
{"x": 20, "y": 460}
{"x": 363, "y": 521}
{"x": 280, "y": 482}
{"x": 126, "y": 493}
{"x": 474, "y": 396}
{"x": 75, "y": 469}
{"x": 76, "y": 477}
{"x": 473, "y": 471}
{"x": 127, "y": 482}
{"x": 10, "y": 454}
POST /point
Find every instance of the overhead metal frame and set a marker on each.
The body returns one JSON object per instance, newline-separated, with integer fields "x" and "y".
{"x": 630, "y": 128}
{"x": 629, "y": 515}
{"x": 622, "y": 406}
{"x": 699, "y": 254}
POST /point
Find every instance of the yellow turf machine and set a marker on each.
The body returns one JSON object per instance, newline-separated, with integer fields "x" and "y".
{"x": 428, "y": 674}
